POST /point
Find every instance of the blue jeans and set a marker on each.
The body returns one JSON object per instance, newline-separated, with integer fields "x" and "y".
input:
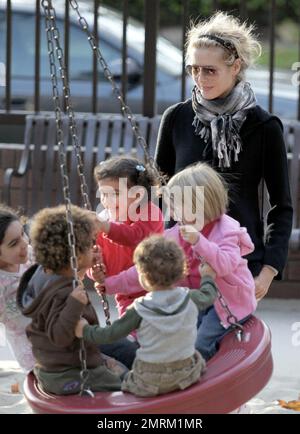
{"x": 210, "y": 332}
{"x": 122, "y": 350}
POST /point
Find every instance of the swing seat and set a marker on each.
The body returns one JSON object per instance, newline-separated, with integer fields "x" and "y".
{"x": 234, "y": 375}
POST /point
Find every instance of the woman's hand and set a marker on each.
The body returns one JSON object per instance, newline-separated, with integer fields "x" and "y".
{"x": 189, "y": 234}
{"x": 79, "y": 327}
{"x": 263, "y": 282}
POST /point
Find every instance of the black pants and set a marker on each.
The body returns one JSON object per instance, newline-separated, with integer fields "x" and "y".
{"x": 122, "y": 350}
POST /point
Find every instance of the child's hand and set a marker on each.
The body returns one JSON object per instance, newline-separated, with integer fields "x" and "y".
{"x": 100, "y": 225}
{"x": 96, "y": 221}
{"x": 189, "y": 234}
{"x": 98, "y": 273}
{"x": 79, "y": 293}
{"x": 98, "y": 268}
{"x": 97, "y": 255}
{"x": 100, "y": 289}
{"x": 79, "y": 327}
{"x": 206, "y": 270}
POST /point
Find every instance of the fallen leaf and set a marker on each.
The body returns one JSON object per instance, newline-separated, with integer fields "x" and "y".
{"x": 291, "y": 405}
{"x": 14, "y": 388}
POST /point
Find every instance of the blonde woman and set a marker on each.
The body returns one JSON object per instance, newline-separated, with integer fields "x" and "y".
{"x": 222, "y": 125}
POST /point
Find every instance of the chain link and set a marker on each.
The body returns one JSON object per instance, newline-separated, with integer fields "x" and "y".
{"x": 116, "y": 90}
{"x": 231, "y": 318}
{"x": 99, "y": 289}
{"x": 52, "y": 29}
{"x": 71, "y": 115}
{"x": 53, "y": 35}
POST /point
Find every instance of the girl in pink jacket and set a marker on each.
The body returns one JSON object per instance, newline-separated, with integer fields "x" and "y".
{"x": 207, "y": 235}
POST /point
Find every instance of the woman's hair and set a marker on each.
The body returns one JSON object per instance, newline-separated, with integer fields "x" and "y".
{"x": 239, "y": 37}
{"x": 215, "y": 189}
{"x": 136, "y": 173}
{"x": 162, "y": 261}
{"x": 7, "y": 216}
{"x": 49, "y": 236}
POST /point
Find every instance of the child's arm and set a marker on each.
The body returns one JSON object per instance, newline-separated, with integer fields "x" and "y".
{"x": 223, "y": 257}
{"x": 63, "y": 317}
{"x": 126, "y": 282}
{"x": 207, "y": 294}
{"x": 130, "y": 235}
{"x": 106, "y": 335}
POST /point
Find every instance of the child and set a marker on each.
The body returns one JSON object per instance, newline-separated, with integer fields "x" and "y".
{"x": 221, "y": 243}
{"x": 13, "y": 262}
{"x": 165, "y": 319}
{"x": 126, "y": 187}
{"x": 46, "y": 296}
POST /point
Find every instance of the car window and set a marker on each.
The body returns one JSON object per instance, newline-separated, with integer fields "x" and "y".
{"x": 2, "y": 48}
{"x": 23, "y": 49}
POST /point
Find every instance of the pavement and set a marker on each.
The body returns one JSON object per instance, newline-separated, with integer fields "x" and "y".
{"x": 283, "y": 318}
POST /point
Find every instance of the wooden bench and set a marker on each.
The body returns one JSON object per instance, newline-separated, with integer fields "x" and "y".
{"x": 36, "y": 182}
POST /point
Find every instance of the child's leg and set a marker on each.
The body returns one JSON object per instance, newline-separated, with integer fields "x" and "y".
{"x": 122, "y": 350}
{"x": 68, "y": 382}
{"x": 210, "y": 332}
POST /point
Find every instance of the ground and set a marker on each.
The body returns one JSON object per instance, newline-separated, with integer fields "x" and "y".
{"x": 282, "y": 317}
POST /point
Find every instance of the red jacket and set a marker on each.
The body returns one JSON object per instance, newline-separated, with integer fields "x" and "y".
{"x": 119, "y": 244}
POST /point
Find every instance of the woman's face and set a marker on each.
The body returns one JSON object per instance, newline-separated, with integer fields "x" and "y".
{"x": 210, "y": 73}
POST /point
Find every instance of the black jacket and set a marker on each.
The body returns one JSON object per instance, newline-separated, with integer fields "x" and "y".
{"x": 263, "y": 155}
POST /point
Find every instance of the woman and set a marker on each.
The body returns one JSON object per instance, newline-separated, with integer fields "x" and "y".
{"x": 223, "y": 125}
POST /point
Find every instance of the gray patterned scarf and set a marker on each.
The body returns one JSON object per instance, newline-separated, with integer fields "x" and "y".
{"x": 221, "y": 120}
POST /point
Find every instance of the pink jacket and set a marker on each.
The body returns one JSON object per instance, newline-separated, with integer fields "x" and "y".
{"x": 223, "y": 249}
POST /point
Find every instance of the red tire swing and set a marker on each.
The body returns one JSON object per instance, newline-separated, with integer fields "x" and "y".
{"x": 239, "y": 370}
{"x": 234, "y": 375}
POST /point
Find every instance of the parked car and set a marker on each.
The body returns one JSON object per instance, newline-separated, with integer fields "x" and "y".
{"x": 169, "y": 60}
{"x": 169, "y": 64}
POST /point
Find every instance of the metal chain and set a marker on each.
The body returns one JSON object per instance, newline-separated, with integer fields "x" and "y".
{"x": 52, "y": 34}
{"x": 67, "y": 96}
{"x": 231, "y": 318}
{"x": 118, "y": 93}
{"x": 105, "y": 305}
{"x": 72, "y": 122}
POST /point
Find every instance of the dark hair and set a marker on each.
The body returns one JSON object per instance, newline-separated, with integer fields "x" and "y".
{"x": 161, "y": 260}
{"x": 137, "y": 173}
{"x": 7, "y": 216}
{"x": 49, "y": 235}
